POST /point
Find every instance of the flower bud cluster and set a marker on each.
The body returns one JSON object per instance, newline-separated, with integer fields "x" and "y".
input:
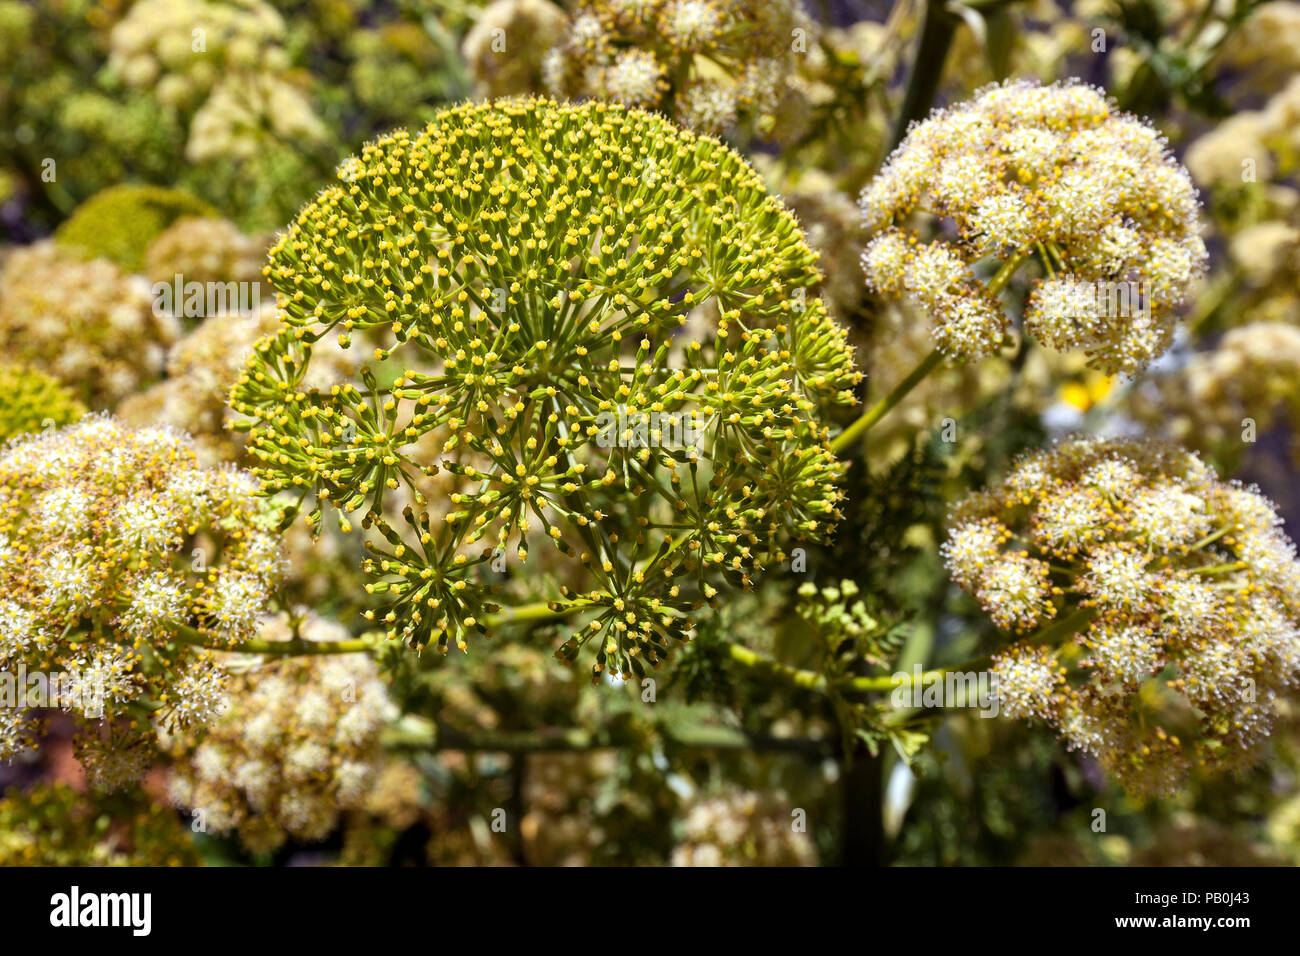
{"x": 524, "y": 269}
{"x": 31, "y": 401}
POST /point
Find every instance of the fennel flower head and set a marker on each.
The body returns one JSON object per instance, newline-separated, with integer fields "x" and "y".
{"x": 525, "y": 269}
{"x": 1050, "y": 174}
{"x": 1180, "y": 592}
{"x": 297, "y": 745}
{"x": 115, "y": 546}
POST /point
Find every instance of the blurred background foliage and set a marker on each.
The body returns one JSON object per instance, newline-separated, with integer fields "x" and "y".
{"x": 712, "y": 763}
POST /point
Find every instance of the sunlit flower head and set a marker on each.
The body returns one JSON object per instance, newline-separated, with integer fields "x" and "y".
{"x": 1054, "y": 175}
{"x": 1164, "y": 605}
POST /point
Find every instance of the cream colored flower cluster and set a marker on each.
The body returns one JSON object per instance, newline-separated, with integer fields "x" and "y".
{"x": 204, "y": 250}
{"x": 183, "y": 49}
{"x": 298, "y": 745}
{"x": 743, "y": 828}
{"x": 236, "y": 119}
{"x": 203, "y": 366}
{"x": 119, "y": 557}
{"x": 1181, "y": 593}
{"x": 223, "y": 58}
{"x": 707, "y": 62}
{"x": 88, "y": 323}
{"x": 30, "y": 400}
{"x": 1266, "y": 47}
{"x": 1048, "y": 173}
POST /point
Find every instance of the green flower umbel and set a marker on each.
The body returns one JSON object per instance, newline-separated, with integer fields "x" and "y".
{"x": 524, "y": 270}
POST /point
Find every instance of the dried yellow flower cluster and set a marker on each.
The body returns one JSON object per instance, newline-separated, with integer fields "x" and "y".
{"x": 204, "y": 250}
{"x": 1187, "y": 590}
{"x": 1051, "y": 173}
{"x": 708, "y": 62}
{"x": 504, "y": 50}
{"x": 297, "y": 745}
{"x": 201, "y": 369}
{"x": 88, "y": 323}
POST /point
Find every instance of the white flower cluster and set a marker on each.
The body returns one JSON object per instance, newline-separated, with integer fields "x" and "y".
{"x": 298, "y": 744}
{"x": 1052, "y": 173}
{"x": 1183, "y": 601}
{"x": 119, "y": 556}
{"x": 87, "y": 323}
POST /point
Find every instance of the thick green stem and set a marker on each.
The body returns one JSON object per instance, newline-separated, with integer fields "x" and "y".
{"x": 183, "y": 634}
{"x": 1005, "y": 272}
{"x": 416, "y": 733}
{"x": 793, "y": 676}
{"x": 1210, "y": 538}
{"x": 845, "y": 439}
{"x": 1220, "y": 568}
{"x": 1053, "y": 633}
{"x": 876, "y": 412}
{"x": 524, "y": 613}
{"x": 889, "y": 682}
{"x": 1062, "y": 628}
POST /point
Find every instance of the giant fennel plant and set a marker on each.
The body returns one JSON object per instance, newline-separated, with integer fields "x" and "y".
{"x": 607, "y": 333}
